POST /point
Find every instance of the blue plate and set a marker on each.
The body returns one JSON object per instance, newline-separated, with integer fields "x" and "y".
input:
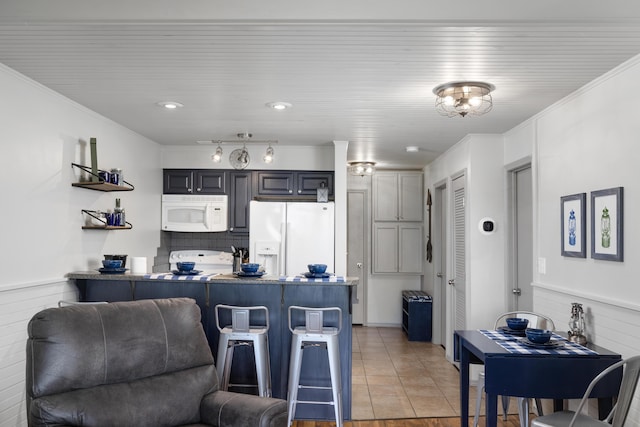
{"x": 254, "y": 274}
{"x": 507, "y": 330}
{"x": 310, "y": 275}
{"x": 112, "y": 270}
{"x": 546, "y": 346}
{"x": 186, "y": 273}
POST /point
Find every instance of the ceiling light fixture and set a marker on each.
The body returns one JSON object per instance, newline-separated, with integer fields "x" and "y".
{"x": 362, "y": 168}
{"x": 268, "y": 157}
{"x": 217, "y": 156}
{"x": 463, "y": 98}
{"x": 412, "y": 149}
{"x": 169, "y": 105}
{"x": 279, "y": 105}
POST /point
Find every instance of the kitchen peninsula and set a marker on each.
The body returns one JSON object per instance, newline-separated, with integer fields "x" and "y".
{"x": 276, "y": 293}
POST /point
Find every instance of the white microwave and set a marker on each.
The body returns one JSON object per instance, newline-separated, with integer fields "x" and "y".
{"x": 195, "y": 214}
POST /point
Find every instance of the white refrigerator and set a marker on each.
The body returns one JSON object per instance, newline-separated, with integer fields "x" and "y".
{"x": 286, "y": 236}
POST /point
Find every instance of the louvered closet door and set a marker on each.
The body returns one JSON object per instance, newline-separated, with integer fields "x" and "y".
{"x": 459, "y": 254}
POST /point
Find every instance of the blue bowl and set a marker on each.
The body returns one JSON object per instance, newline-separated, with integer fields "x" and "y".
{"x": 317, "y": 268}
{"x": 186, "y": 265}
{"x": 538, "y": 336}
{"x": 112, "y": 263}
{"x": 516, "y": 323}
{"x": 249, "y": 267}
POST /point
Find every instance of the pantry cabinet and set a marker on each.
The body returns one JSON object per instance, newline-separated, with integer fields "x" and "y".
{"x": 397, "y": 248}
{"x": 397, "y": 222}
{"x": 397, "y": 196}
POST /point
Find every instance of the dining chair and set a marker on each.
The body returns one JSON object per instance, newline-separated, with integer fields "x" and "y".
{"x": 626, "y": 412}
{"x": 536, "y": 320}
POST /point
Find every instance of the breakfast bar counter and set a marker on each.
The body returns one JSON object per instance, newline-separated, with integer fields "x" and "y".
{"x": 276, "y": 293}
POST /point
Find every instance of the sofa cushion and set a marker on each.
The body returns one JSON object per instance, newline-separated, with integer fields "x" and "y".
{"x": 84, "y": 346}
{"x": 164, "y": 400}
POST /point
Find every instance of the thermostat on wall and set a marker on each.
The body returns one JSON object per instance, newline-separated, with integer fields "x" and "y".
{"x": 487, "y": 225}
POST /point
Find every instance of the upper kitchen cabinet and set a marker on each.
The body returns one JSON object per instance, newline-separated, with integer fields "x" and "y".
{"x": 397, "y": 196}
{"x": 292, "y": 184}
{"x": 239, "y": 198}
{"x": 194, "y": 181}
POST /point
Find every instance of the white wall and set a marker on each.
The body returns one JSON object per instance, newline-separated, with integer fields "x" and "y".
{"x": 480, "y": 158}
{"x": 41, "y": 134}
{"x": 582, "y": 144}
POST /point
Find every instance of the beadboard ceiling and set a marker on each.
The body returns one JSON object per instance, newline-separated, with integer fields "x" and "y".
{"x": 361, "y": 71}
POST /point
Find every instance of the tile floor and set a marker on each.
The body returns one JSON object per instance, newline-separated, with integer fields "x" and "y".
{"x": 396, "y": 378}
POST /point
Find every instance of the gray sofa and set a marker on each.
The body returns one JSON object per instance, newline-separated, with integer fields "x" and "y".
{"x": 138, "y": 363}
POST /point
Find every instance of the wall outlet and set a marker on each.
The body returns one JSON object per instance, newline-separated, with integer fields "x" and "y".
{"x": 542, "y": 265}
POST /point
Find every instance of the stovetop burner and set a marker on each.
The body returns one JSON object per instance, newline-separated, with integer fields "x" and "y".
{"x": 207, "y": 261}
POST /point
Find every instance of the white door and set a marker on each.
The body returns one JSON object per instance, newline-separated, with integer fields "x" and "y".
{"x": 310, "y": 236}
{"x": 457, "y": 282}
{"x": 522, "y": 290}
{"x": 439, "y": 244}
{"x": 357, "y": 244}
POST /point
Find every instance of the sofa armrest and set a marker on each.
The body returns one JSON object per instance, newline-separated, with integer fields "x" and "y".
{"x": 223, "y": 408}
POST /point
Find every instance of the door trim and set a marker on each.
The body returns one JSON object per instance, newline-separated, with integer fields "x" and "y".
{"x": 366, "y": 250}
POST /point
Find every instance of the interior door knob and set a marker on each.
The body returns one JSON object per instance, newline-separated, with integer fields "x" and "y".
{"x": 452, "y": 282}
{"x": 359, "y": 265}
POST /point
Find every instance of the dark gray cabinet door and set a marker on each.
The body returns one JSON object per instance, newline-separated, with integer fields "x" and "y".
{"x": 307, "y": 183}
{"x": 177, "y": 181}
{"x": 209, "y": 182}
{"x": 239, "y": 198}
{"x": 269, "y": 183}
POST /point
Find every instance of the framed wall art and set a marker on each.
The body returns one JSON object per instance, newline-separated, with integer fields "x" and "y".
{"x": 573, "y": 225}
{"x": 607, "y": 224}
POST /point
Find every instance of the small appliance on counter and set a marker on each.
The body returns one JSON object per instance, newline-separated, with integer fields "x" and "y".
{"x": 206, "y": 261}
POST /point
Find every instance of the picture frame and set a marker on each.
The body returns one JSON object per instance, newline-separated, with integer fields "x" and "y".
{"x": 607, "y": 224}
{"x": 573, "y": 225}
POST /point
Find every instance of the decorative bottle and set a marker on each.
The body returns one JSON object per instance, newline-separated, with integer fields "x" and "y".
{"x": 119, "y": 214}
{"x": 572, "y": 228}
{"x": 605, "y": 228}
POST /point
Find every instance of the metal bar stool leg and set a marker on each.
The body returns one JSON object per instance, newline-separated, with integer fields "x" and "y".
{"x": 263, "y": 368}
{"x": 295, "y": 363}
{"x": 333, "y": 353}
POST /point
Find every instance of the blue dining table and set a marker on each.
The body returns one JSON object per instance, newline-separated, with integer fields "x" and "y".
{"x": 513, "y": 367}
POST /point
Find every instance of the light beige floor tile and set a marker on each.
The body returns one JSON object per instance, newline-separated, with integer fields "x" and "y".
{"x": 386, "y": 407}
{"x": 358, "y": 380}
{"x": 378, "y": 367}
{"x": 432, "y": 407}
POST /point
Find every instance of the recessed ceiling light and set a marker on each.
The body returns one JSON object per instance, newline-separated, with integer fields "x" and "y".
{"x": 412, "y": 149}
{"x": 169, "y": 105}
{"x": 279, "y": 105}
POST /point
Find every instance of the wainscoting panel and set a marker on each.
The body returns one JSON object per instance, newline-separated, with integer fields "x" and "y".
{"x": 17, "y": 305}
{"x": 610, "y": 323}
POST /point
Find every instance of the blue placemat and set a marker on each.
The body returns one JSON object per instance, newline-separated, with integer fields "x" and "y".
{"x": 169, "y": 276}
{"x": 335, "y": 279}
{"x": 513, "y": 344}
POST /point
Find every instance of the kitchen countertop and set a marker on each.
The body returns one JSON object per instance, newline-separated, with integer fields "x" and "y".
{"x": 222, "y": 278}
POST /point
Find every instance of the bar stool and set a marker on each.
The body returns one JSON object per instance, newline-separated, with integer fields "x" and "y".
{"x": 242, "y": 333}
{"x": 314, "y": 334}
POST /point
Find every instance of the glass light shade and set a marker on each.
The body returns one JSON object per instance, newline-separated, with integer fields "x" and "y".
{"x": 362, "y": 168}
{"x": 463, "y": 98}
{"x": 268, "y": 157}
{"x": 217, "y": 156}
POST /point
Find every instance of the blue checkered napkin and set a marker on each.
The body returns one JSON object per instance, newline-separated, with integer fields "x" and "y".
{"x": 498, "y": 335}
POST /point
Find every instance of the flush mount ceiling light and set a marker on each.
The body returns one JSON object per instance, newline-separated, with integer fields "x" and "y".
{"x": 169, "y": 105}
{"x": 217, "y": 156}
{"x": 278, "y": 105}
{"x": 463, "y": 98}
{"x": 268, "y": 156}
{"x": 362, "y": 168}
{"x": 412, "y": 149}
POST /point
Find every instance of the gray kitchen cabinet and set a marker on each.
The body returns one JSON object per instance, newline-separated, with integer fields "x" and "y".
{"x": 397, "y": 196}
{"x": 239, "y": 198}
{"x": 397, "y": 248}
{"x": 194, "y": 181}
